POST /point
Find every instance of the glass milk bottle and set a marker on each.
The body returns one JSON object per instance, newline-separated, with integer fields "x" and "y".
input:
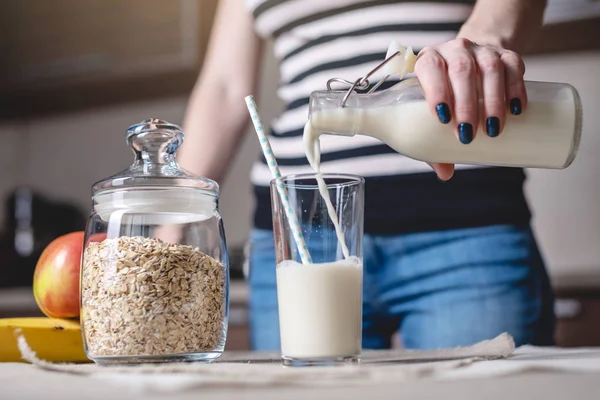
{"x": 545, "y": 135}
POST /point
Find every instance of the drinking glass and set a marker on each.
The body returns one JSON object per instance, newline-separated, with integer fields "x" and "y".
{"x": 320, "y": 303}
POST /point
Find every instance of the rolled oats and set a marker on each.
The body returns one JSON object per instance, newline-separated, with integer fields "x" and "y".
{"x": 147, "y": 297}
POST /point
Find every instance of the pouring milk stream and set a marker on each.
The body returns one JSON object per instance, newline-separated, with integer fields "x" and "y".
{"x": 401, "y": 65}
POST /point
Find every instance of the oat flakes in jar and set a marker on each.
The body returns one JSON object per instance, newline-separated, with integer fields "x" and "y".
{"x": 155, "y": 276}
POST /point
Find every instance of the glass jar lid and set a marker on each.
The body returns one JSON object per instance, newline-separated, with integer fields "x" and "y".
{"x": 154, "y": 186}
{"x": 154, "y": 143}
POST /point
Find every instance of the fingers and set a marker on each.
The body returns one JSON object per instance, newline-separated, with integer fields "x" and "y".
{"x": 491, "y": 71}
{"x": 457, "y": 74}
{"x": 448, "y": 75}
{"x": 462, "y": 74}
{"x": 431, "y": 70}
{"x": 515, "y": 85}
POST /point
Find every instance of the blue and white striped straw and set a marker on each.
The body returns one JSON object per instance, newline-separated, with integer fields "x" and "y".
{"x": 283, "y": 194}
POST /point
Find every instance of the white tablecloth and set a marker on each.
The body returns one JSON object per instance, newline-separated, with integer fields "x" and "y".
{"x": 530, "y": 373}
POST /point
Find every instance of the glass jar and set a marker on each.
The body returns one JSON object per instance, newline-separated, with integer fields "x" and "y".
{"x": 155, "y": 274}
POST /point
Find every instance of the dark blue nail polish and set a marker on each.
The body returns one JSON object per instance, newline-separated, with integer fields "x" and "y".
{"x": 465, "y": 133}
{"x": 515, "y": 106}
{"x": 492, "y": 125}
{"x": 443, "y": 112}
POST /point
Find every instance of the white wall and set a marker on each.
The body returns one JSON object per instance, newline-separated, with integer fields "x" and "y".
{"x": 64, "y": 155}
{"x": 566, "y": 203}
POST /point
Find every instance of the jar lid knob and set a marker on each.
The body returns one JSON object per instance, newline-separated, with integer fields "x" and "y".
{"x": 154, "y": 140}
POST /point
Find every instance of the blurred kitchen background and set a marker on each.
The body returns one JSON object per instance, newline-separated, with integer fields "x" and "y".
{"x": 75, "y": 74}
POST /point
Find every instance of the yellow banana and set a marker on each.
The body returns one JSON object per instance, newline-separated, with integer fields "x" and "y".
{"x": 54, "y": 340}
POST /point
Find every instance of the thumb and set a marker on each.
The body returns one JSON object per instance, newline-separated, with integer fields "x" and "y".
{"x": 443, "y": 171}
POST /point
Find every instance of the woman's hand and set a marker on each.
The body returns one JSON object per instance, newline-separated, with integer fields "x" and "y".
{"x": 454, "y": 75}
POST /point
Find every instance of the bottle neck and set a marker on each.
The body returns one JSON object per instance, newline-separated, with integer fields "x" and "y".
{"x": 337, "y": 121}
{"x": 328, "y": 116}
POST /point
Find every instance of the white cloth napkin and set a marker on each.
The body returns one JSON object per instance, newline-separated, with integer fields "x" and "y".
{"x": 491, "y": 358}
{"x": 531, "y": 359}
{"x": 256, "y": 369}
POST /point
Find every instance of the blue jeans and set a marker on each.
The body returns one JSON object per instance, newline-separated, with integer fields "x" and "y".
{"x": 439, "y": 289}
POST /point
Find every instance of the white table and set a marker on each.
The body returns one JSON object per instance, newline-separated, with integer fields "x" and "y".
{"x": 548, "y": 381}
{"x": 25, "y": 382}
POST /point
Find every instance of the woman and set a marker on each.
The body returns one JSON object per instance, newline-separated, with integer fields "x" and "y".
{"x": 447, "y": 264}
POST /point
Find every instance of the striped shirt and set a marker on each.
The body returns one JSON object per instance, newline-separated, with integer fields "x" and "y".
{"x": 315, "y": 40}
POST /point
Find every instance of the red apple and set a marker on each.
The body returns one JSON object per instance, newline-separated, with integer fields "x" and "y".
{"x": 56, "y": 277}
